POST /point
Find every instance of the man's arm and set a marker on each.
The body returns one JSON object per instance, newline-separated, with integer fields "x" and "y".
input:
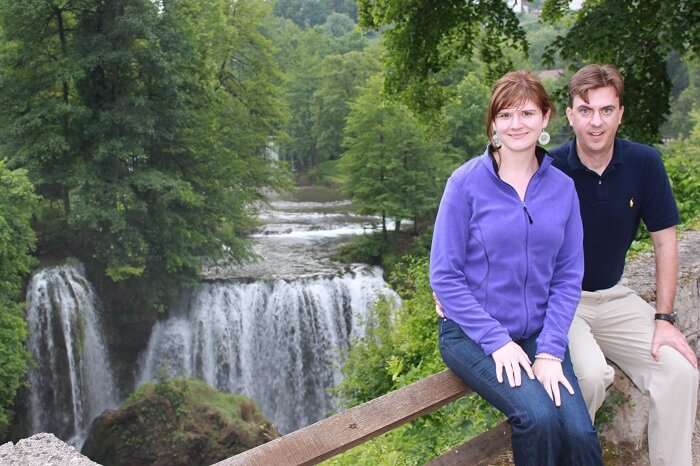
{"x": 665, "y": 333}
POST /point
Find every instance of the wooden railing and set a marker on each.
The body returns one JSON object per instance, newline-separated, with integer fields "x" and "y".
{"x": 338, "y": 433}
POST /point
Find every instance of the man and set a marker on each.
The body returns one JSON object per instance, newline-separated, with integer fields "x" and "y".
{"x": 619, "y": 183}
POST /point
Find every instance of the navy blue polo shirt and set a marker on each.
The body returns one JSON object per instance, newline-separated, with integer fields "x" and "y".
{"x": 633, "y": 186}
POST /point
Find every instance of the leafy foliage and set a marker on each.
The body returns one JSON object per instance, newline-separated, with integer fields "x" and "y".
{"x": 464, "y": 116}
{"x": 313, "y": 86}
{"x": 680, "y": 122}
{"x": 424, "y": 37}
{"x": 637, "y": 37}
{"x": 682, "y": 160}
{"x": 399, "y": 349}
{"x": 122, "y": 112}
{"x": 340, "y": 78}
{"x": 307, "y": 13}
{"x": 390, "y": 166}
{"x": 17, "y": 203}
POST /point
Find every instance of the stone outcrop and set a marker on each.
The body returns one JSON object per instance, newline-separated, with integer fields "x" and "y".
{"x": 177, "y": 423}
{"x": 42, "y": 450}
{"x": 631, "y": 407}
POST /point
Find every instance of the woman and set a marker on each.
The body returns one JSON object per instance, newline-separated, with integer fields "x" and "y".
{"x": 506, "y": 266}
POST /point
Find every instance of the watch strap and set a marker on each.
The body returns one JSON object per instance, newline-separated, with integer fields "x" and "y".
{"x": 671, "y": 318}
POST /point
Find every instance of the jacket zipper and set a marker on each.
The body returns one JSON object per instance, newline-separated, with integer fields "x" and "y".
{"x": 528, "y": 218}
{"x": 528, "y": 221}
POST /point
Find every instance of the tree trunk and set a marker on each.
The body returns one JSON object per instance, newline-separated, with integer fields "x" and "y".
{"x": 65, "y": 190}
{"x": 384, "y": 232}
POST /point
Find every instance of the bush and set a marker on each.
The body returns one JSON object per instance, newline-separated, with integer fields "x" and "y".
{"x": 401, "y": 347}
{"x": 17, "y": 203}
{"x": 682, "y": 160}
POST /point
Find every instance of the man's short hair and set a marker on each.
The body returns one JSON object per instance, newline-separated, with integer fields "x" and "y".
{"x": 594, "y": 77}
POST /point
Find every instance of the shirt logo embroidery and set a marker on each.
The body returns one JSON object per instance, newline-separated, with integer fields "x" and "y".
{"x": 631, "y": 202}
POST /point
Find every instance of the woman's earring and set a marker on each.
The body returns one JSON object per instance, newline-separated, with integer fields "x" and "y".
{"x": 543, "y": 138}
{"x": 496, "y": 140}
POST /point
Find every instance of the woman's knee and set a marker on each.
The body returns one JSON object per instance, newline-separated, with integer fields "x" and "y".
{"x": 537, "y": 419}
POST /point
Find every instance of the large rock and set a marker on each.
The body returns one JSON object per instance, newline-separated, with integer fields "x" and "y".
{"x": 181, "y": 422}
{"x": 42, "y": 450}
{"x": 628, "y": 425}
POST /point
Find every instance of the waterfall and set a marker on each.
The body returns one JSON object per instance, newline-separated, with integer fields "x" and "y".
{"x": 278, "y": 342}
{"x": 71, "y": 382}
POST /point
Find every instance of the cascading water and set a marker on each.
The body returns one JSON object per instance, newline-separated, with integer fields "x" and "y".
{"x": 71, "y": 382}
{"x": 276, "y": 330}
{"x": 279, "y": 342}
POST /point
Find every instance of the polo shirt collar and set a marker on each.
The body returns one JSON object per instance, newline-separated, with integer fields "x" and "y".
{"x": 575, "y": 162}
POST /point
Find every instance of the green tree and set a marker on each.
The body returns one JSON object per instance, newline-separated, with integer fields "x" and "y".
{"x": 301, "y": 53}
{"x": 682, "y": 160}
{"x": 338, "y": 24}
{"x": 637, "y": 37}
{"x": 340, "y": 78}
{"x": 304, "y": 13}
{"x": 465, "y": 115}
{"x": 680, "y": 122}
{"x": 17, "y": 203}
{"x": 390, "y": 165}
{"x": 308, "y": 13}
{"x": 425, "y": 37}
{"x": 152, "y": 123}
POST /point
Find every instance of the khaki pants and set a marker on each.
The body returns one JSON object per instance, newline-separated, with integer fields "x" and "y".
{"x": 618, "y": 325}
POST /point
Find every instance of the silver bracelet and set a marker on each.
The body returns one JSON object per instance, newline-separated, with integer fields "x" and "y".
{"x": 548, "y": 357}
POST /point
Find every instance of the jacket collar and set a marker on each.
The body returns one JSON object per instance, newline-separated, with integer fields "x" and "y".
{"x": 542, "y": 156}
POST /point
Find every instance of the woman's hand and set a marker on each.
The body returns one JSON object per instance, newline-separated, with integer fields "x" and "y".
{"x": 510, "y": 357}
{"x": 550, "y": 375}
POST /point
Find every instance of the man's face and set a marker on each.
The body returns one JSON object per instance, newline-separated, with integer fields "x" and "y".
{"x": 595, "y": 122}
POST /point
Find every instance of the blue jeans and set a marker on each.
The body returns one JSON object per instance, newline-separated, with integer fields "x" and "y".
{"x": 543, "y": 434}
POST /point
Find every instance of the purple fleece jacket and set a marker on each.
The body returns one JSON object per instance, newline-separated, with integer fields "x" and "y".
{"x": 504, "y": 269}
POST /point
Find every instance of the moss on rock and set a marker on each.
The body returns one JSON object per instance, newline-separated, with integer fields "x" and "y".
{"x": 177, "y": 422}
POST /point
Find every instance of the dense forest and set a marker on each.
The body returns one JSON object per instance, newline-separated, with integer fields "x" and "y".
{"x": 140, "y": 137}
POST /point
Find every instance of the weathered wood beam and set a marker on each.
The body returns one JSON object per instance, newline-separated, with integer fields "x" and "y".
{"x": 479, "y": 450}
{"x": 333, "y": 435}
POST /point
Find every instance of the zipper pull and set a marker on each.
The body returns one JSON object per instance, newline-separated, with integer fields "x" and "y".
{"x": 527, "y": 213}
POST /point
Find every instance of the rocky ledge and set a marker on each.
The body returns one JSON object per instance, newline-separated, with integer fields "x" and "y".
{"x": 630, "y": 407}
{"x": 42, "y": 450}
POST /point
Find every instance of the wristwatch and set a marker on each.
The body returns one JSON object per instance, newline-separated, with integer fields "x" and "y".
{"x": 671, "y": 317}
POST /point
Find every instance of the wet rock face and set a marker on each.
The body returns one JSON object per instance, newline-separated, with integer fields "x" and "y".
{"x": 631, "y": 408}
{"x": 177, "y": 423}
{"x": 42, "y": 450}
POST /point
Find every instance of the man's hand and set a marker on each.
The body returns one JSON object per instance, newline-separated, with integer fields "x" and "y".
{"x": 438, "y": 306}
{"x": 510, "y": 357}
{"x": 666, "y": 334}
{"x": 550, "y": 375}
{"x": 666, "y": 253}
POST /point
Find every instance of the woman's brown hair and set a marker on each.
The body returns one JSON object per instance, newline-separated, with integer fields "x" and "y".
{"x": 514, "y": 89}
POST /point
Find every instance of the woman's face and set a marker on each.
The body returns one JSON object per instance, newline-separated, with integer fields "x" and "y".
{"x": 519, "y": 127}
